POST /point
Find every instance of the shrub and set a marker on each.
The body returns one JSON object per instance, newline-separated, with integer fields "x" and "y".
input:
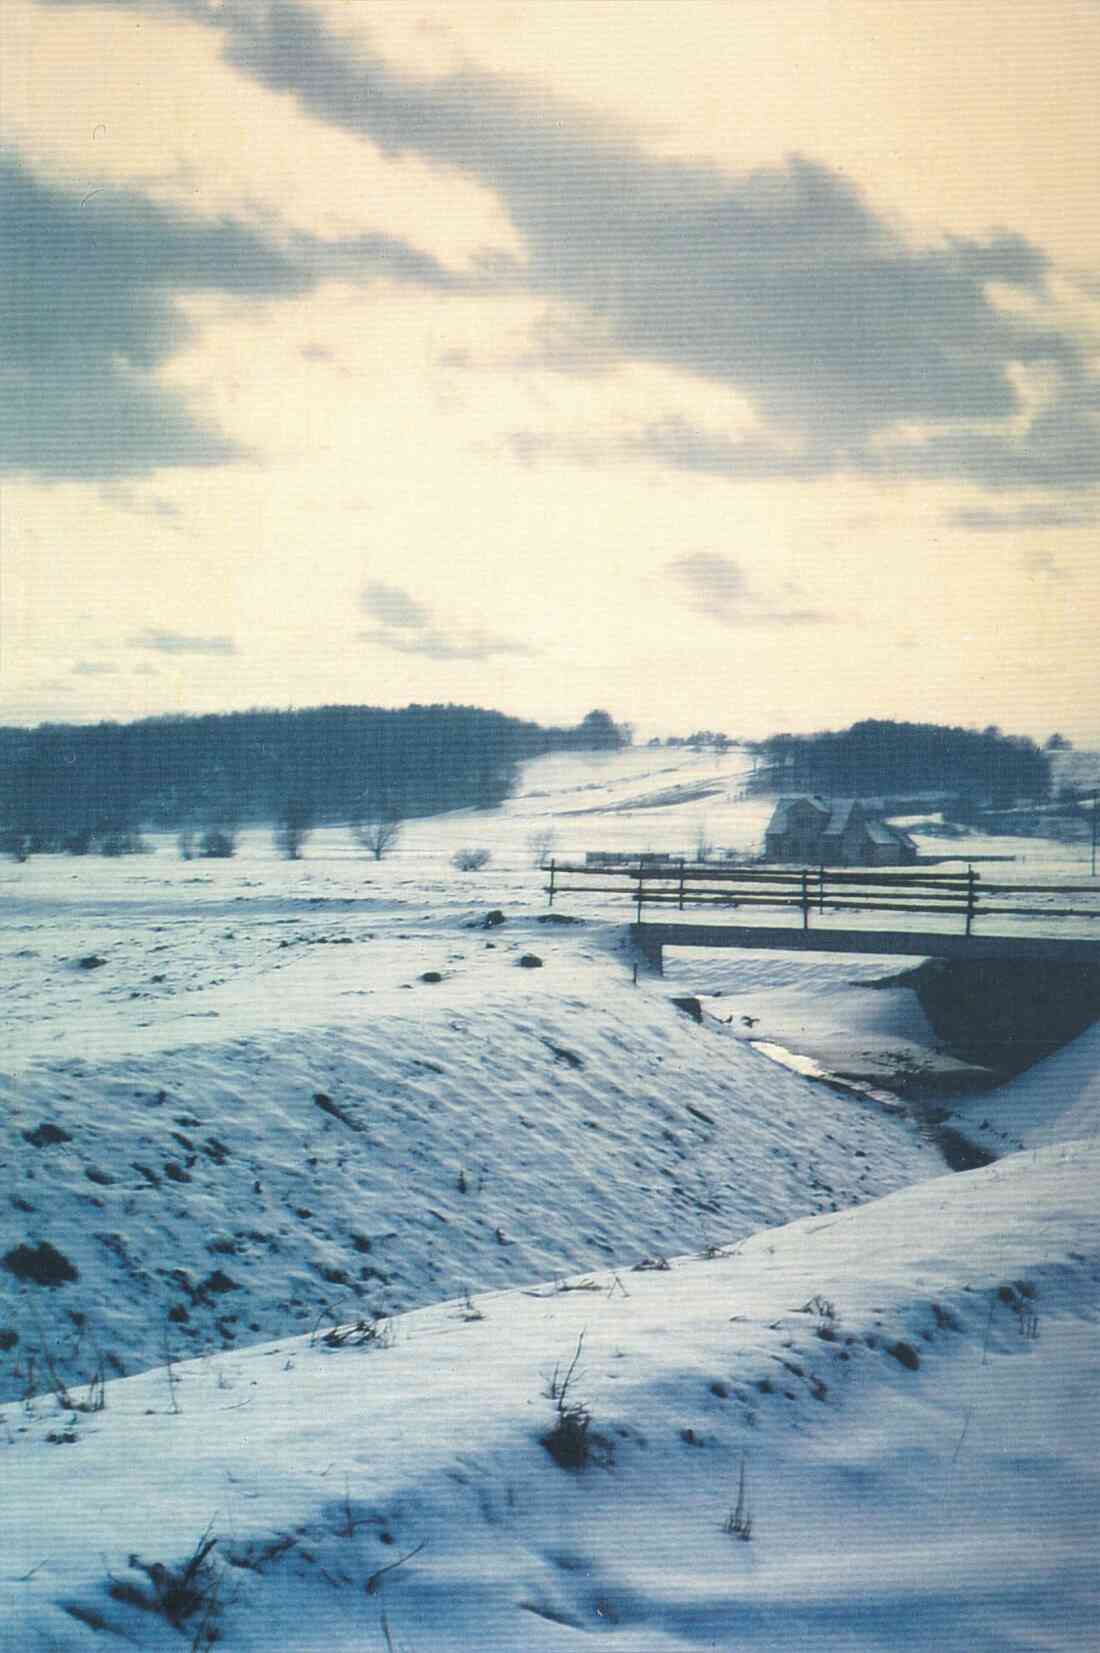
{"x": 122, "y": 841}
{"x": 825, "y": 1310}
{"x": 177, "y": 1593}
{"x": 567, "y": 1442}
{"x": 570, "y": 1441}
{"x": 470, "y": 859}
{"x": 738, "y": 1522}
{"x": 364, "y": 1333}
{"x": 218, "y": 843}
{"x": 16, "y": 843}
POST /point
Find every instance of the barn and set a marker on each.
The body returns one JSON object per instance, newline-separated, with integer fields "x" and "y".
{"x": 833, "y": 832}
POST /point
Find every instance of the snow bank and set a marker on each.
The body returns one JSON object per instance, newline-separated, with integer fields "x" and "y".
{"x": 1057, "y": 1100}
{"x": 909, "y": 1390}
{"x": 499, "y": 1126}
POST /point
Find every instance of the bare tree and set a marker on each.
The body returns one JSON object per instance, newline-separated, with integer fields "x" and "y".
{"x": 377, "y": 833}
{"x": 293, "y": 827}
{"x": 539, "y": 843}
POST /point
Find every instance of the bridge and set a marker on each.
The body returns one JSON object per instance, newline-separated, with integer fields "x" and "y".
{"x": 811, "y": 899}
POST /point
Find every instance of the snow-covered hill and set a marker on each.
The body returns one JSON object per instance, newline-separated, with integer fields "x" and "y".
{"x": 246, "y": 1101}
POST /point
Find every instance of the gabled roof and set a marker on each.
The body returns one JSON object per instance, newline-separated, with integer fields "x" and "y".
{"x": 780, "y": 818}
{"x": 840, "y": 815}
{"x": 880, "y": 833}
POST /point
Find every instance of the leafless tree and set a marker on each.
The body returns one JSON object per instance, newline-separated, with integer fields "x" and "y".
{"x": 377, "y": 833}
{"x": 540, "y": 842}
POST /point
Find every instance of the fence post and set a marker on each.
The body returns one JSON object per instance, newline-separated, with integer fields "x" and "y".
{"x": 805, "y": 898}
{"x": 551, "y": 901}
{"x": 971, "y": 899}
{"x": 821, "y": 888}
{"x": 681, "y": 883}
{"x": 641, "y": 896}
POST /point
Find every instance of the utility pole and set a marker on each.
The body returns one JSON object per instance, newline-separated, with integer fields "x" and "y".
{"x": 1094, "y": 799}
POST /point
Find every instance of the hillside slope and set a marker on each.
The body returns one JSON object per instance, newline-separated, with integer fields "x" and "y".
{"x": 501, "y": 1125}
{"x": 868, "y": 1431}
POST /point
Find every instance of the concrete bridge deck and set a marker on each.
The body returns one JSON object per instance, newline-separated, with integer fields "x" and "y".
{"x": 652, "y": 939}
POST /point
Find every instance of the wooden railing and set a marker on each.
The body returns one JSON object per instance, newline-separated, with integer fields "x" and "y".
{"x": 817, "y": 889}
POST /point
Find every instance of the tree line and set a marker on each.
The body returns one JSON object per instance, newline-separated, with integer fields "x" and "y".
{"x": 879, "y": 757}
{"x": 79, "y": 787}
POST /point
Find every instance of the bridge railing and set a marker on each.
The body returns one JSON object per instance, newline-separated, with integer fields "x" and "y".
{"x": 808, "y": 890}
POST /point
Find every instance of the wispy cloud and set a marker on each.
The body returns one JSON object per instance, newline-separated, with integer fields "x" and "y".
{"x": 716, "y": 587}
{"x": 393, "y": 606}
{"x": 1046, "y": 566}
{"x": 93, "y": 668}
{"x": 93, "y": 316}
{"x": 406, "y": 628}
{"x": 438, "y": 645}
{"x": 157, "y": 506}
{"x": 981, "y": 520}
{"x": 175, "y": 642}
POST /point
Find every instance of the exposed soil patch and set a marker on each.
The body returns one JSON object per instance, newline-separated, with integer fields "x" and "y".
{"x": 40, "y": 1265}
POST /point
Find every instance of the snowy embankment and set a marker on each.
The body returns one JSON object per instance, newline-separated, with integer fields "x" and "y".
{"x": 505, "y": 1124}
{"x": 873, "y": 1429}
{"x": 1057, "y": 1100}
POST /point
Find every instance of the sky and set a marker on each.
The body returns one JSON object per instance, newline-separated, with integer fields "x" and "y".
{"x": 722, "y": 363}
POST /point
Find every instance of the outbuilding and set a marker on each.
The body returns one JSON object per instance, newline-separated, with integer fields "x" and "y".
{"x": 833, "y": 832}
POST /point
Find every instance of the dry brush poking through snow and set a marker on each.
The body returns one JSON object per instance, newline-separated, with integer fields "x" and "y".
{"x": 947, "y": 1503}
{"x": 230, "y": 1190}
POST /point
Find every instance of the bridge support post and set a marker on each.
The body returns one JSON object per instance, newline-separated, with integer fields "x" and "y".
{"x": 651, "y": 950}
{"x": 971, "y": 898}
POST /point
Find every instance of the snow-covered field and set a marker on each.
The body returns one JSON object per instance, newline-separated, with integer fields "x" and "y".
{"x": 237, "y": 1115}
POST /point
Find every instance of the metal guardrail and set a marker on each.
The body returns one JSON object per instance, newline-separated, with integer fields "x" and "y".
{"x": 816, "y": 889}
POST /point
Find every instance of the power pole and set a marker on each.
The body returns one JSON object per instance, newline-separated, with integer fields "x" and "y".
{"x": 1094, "y": 798}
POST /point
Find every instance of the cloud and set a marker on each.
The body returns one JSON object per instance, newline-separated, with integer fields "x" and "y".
{"x": 1044, "y": 564}
{"x": 93, "y": 668}
{"x": 981, "y": 520}
{"x": 393, "y": 606}
{"x": 676, "y": 443}
{"x": 716, "y": 588}
{"x": 680, "y": 445}
{"x": 406, "y": 628}
{"x": 780, "y": 282}
{"x": 158, "y": 506}
{"x": 91, "y": 317}
{"x": 438, "y": 645}
{"x": 175, "y": 642}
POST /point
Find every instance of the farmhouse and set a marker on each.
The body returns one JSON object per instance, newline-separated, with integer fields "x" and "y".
{"x": 834, "y": 832}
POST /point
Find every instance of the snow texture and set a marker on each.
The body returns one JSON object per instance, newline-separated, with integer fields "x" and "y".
{"x": 347, "y": 1231}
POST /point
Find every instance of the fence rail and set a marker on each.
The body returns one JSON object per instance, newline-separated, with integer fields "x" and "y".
{"x": 815, "y": 890}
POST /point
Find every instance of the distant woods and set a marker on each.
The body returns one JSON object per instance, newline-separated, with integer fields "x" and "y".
{"x": 78, "y": 788}
{"x": 878, "y": 757}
